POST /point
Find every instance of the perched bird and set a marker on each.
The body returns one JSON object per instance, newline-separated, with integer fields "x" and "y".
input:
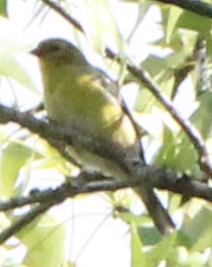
{"x": 81, "y": 97}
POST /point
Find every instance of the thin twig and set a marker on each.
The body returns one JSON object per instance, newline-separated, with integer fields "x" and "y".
{"x": 23, "y": 221}
{"x": 54, "y": 6}
{"x": 193, "y": 134}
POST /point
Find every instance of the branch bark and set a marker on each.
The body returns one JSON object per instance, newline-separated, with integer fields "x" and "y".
{"x": 43, "y": 200}
{"x": 155, "y": 176}
{"x": 199, "y": 7}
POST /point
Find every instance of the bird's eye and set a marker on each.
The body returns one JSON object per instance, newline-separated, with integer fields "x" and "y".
{"x": 54, "y": 48}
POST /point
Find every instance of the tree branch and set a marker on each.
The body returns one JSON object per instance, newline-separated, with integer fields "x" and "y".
{"x": 154, "y": 176}
{"x": 192, "y": 132}
{"x": 34, "y": 213}
{"x": 56, "y": 7}
{"x": 199, "y": 7}
{"x": 53, "y": 133}
{"x": 157, "y": 176}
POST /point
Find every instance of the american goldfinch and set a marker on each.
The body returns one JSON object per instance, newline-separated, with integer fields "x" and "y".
{"x": 79, "y": 96}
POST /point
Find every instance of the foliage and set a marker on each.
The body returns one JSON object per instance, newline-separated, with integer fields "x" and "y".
{"x": 178, "y": 60}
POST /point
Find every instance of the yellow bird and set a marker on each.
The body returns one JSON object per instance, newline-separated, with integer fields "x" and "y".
{"x": 80, "y": 97}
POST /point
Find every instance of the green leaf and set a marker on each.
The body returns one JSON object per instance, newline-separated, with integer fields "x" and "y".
{"x": 138, "y": 257}
{"x": 202, "y": 117}
{"x": 106, "y": 29}
{"x": 172, "y": 17}
{"x": 178, "y": 153}
{"x": 45, "y": 238}
{"x": 14, "y": 156}
{"x": 10, "y": 67}
{"x": 154, "y": 65}
{"x": 149, "y": 236}
{"x": 3, "y": 8}
{"x": 161, "y": 251}
{"x": 192, "y": 21}
{"x": 198, "y": 230}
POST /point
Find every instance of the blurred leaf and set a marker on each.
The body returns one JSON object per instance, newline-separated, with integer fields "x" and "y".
{"x": 180, "y": 256}
{"x": 149, "y": 236}
{"x": 100, "y": 25}
{"x": 161, "y": 251}
{"x": 151, "y": 124}
{"x": 68, "y": 264}
{"x": 202, "y": 118}
{"x": 14, "y": 156}
{"x": 3, "y": 8}
{"x": 192, "y": 21}
{"x": 145, "y": 101}
{"x": 9, "y": 67}
{"x": 137, "y": 220}
{"x": 45, "y": 238}
{"x": 138, "y": 257}
{"x": 52, "y": 159}
{"x": 201, "y": 24}
{"x": 171, "y": 16}
{"x": 198, "y": 230}
{"x": 155, "y": 65}
{"x": 178, "y": 153}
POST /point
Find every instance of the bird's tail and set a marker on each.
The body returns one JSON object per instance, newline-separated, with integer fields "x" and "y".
{"x": 158, "y": 213}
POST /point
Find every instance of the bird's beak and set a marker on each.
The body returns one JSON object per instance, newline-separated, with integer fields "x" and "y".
{"x": 35, "y": 52}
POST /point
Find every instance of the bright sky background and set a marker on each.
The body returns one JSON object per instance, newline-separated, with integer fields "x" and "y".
{"x": 112, "y": 238}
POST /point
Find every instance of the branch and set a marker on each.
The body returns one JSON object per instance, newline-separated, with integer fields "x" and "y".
{"x": 23, "y": 221}
{"x": 192, "y": 133}
{"x": 56, "y": 7}
{"x": 190, "y": 64}
{"x": 199, "y": 7}
{"x": 50, "y": 131}
{"x": 54, "y": 133}
{"x": 156, "y": 176}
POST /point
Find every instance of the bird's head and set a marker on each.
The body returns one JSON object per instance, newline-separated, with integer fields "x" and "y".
{"x": 57, "y": 51}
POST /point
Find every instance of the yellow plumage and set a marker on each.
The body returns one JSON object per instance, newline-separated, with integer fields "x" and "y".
{"x": 77, "y": 97}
